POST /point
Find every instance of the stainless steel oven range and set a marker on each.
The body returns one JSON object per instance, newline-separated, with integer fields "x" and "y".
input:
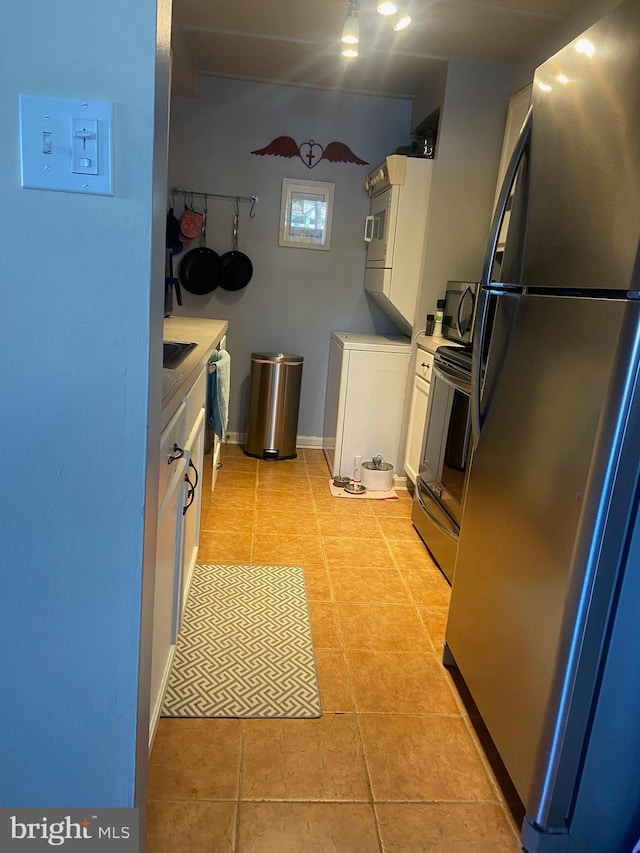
{"x": 446, "y": 455}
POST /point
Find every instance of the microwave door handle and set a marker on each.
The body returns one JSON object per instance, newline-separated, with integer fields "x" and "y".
{"x": 503, "y": 199}
{"x": 462, "y": 331}
{"x": 368, "y": 229}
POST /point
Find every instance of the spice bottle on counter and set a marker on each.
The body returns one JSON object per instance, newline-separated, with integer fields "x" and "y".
{"x": 437, "y": 330}
{"x": 430, "y": 324}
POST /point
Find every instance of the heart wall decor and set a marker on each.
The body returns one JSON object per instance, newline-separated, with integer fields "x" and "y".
{"x": 311, "y": 152}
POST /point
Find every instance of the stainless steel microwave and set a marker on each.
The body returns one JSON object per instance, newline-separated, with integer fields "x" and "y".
{"x": 459, "y": 311}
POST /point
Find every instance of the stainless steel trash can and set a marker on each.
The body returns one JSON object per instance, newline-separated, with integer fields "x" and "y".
{"x": 274, "y": 400}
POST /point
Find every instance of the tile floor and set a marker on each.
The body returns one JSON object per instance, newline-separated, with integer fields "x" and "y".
{"x": 394, "y": 764}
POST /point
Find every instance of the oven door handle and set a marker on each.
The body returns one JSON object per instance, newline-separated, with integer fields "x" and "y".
{"x": 420, "y": 490}
{"x": 453, "y": 378}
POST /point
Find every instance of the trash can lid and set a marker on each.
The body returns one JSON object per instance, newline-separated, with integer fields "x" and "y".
{"x": 276, "y": 357}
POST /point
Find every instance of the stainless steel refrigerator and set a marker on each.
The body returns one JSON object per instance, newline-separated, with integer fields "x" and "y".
{"x": 544, "y": 622}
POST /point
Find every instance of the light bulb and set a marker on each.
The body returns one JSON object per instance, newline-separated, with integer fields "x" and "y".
{"x": 387, "y": 7}
{"x": 544, "y": 87}
{"x": 350, "y": 51}
{"x": 402, "y": 23}
{"x": 562, "y": 78}
{"x": 351, "y": 30}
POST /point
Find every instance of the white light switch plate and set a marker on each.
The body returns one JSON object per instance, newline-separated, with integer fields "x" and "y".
{"x": 66, "y": 144}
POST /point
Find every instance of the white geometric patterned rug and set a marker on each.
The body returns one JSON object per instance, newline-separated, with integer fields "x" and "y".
{"x": 245, "y": 648}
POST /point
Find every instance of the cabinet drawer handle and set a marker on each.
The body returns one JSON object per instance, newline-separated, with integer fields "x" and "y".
{"x": 191, "y": 465}
{"x": 424, "y": 364}
{"x": 191, "y": 494}
{"x": 176, "y": 454}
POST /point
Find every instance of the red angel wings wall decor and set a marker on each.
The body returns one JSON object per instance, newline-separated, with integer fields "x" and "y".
{"x": 311, "y": 152}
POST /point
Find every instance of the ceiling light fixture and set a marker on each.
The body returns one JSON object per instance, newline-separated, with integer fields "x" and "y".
{"x": 585, "y": 46}
{"x": 402, "y": 22}
{"x": 386, "y": 7}
{"x": 350, "y": 37}
{"x": 351, "y": 29}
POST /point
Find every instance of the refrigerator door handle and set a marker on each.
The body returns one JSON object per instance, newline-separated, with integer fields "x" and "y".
{"x": 477, "y": 417}
{"x": 503, "y": 199}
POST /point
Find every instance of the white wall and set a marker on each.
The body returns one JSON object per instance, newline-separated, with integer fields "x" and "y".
{"x": 296, "y": 296}
{"x": 77, "y": 301}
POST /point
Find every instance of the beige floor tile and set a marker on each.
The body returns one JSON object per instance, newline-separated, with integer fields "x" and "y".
{"x": 239, "y": 464}
{"x": 445, "y": 828}
{"x": 317, "y": 580}
{"x": 195, "y": 760}
{"x": 423, "y": 759}
{"x": 428, "y": 588}
{"x": 307, "y": 828}
{"x": 282, "y": 466}
{"x": 276, "y": 523}
{"x": 392, "y": 509}
{"x": 399, "y": 683}
{"x": 290, "y": 484}
{"x": 374, "y": 586}
{"x": 287, "y": 548}
{"x": 435, "y": 621}
{"x": 398, "y": 528}
{"x": 346, "y": 526}
{"x": 304, "y": 760}
{"x": 318, "y": 472}
{"x": 411, "y": 555}
{"x": 227, "y": 499}
{"x": 228, "y": 520}
{"x": 333, "y": 676}
{"x": 229, "y": 449}
{"x": 228, "y": 479}
{"x": 313, "y": 454}
{"x": 324, "y": 625}
{"x": 228, "y": 547}
{"x": 284, "y": 501}
{"x": 382, "y": 627}
{"x": 346, "y": 551}
{"x": 193, "y": 827}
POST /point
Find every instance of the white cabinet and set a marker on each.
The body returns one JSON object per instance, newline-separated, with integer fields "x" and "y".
{"x": 194, "y": 452}
{"x": 365, "y": 398}
{"x": 180, "y": 493}
{"x": 395, "y": 232}
{"x": 169, "y": 550}
{"x": 418, "y": 413}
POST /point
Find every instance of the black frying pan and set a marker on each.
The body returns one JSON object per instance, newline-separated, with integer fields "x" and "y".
{"x": 237, "y": 268}
{"x": 200, "y": 269}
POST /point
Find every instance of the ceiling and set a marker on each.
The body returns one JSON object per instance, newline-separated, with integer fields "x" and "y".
{"x": 297, "y": 41}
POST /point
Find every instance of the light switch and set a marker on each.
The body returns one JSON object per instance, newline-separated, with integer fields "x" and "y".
{"x": 66, "y": 144}
{"x": 84, "y": 145}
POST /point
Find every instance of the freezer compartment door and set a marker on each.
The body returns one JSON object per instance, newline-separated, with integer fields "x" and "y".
{"x": 583, "y": 226}
{"x": 516, "y": 576}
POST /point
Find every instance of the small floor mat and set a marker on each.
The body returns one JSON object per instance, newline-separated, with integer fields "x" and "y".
{"x": 370, "y": 495}
{"x": 245, "y": 648}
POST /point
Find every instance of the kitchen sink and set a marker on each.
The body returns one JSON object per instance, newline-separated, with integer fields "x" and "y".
{"x": 173, "y": 352}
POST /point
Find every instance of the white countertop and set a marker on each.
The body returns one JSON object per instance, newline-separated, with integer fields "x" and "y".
{"x": 207, "y": 335}
{"x": 430, "y": 343}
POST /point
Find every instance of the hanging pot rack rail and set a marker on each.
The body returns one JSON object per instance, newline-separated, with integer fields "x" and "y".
{"x": 252, "y": 199}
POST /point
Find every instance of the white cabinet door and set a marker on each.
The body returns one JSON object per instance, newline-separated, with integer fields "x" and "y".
{"x": 168, "y": 562}
{"x": 417, "y": 420}
{"x": 194, "y": 451}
